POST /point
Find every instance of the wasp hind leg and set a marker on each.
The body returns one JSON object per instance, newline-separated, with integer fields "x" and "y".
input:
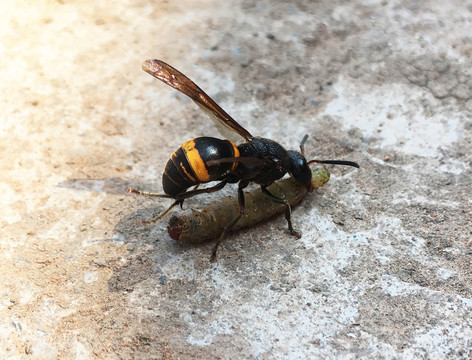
{"x": 178, "y": 199}
{"x": 288, "y": 210}
{"x": 241, "y": 202}
{"x": 147, "y": 193}
{"x": 196, "y": 191}
{"x": 161, "y": 215}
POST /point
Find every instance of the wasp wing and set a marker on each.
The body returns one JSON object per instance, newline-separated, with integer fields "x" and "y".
{"x": 225, "y": 124}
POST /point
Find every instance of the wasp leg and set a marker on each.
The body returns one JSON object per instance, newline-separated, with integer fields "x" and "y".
{"x": 147, "y": 193}
{"x": 179, "y": 199}
{"x": 288, "y": 210}
{"x": 161, "y": 215}
{"x": 241, "y": 186}
{"x": 188, "y": 194}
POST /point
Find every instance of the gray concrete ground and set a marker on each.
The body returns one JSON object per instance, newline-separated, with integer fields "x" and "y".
{"x": 383, "y": 269}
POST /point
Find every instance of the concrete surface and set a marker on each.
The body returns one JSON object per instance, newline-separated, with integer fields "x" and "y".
{"x": 383, "y": 269}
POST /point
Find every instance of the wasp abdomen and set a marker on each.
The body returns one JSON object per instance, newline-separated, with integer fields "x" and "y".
{"x": 188, "y": 164}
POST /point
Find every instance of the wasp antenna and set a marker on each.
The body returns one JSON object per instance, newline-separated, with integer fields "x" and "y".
{"x": 335, "y": 162}
{"x": 302, "y": 144}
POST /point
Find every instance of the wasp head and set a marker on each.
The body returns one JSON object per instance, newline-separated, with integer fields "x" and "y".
{"x": 299, "y": 168}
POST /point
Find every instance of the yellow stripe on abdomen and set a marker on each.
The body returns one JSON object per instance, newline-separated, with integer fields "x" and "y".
{"x": 195, "y": 161}
{"x": 235, "y": 154}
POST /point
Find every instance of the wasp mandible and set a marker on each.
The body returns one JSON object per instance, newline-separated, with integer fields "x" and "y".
{"x": 205, "y": 159}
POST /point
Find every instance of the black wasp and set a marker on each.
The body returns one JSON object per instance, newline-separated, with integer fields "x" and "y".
{"x": 204, "y": 159}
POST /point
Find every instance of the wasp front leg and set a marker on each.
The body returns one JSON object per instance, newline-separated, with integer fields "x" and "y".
{"x": 288, "y": 210}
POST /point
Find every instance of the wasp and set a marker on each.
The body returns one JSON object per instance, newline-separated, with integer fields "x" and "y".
{"x": 227, "y": 161}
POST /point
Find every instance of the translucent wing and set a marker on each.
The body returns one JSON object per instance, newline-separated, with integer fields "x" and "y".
{"x": 225, "y": 124}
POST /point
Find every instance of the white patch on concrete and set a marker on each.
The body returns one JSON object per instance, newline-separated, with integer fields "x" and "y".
{"x": 203, "y": 334}
{"x": 118, "y": 239}
{"x": 90, "y": 277}
{"x": 396, "y": 121}
{"x": 440, "y": 340}
{"x": 9, "y": 197}
{"x": 81, "y": 351}
{"x": 216, "y": 81}
{"x": 445, "y": 274}
{"x": 341, "y": 248}
{"x": 454, "y": 166}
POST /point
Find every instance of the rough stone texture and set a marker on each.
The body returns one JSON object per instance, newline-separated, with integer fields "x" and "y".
{"x": 383, "y": 269}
